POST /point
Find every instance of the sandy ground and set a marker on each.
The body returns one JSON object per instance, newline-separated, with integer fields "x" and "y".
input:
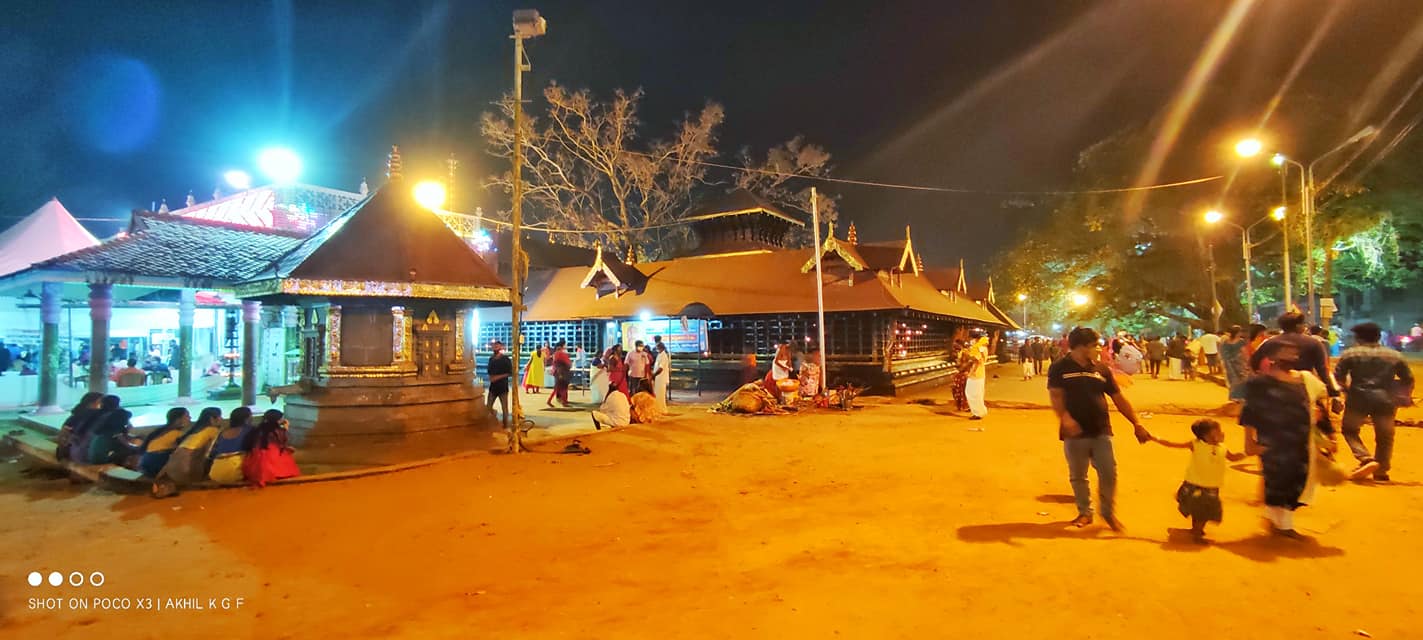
{"x": 896, "y": 520}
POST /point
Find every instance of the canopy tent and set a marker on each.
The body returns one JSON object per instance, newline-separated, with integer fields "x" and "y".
{"x": 48, "y": 232}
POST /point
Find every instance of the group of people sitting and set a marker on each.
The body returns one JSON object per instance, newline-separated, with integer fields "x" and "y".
{"x": 184, "y": 451}
{"x": 619, "y": 410}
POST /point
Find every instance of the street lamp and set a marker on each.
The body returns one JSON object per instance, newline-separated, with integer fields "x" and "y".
{"x": 1023, "y": 298}
{"x": 527, "y": 24}
{"x": 1249, "y": 147}
{"x": 1079, "y": 299}
{"x": 1214, "y": 217}
{"x": 430, "y": 194}
{"x": 1307, "y": 194}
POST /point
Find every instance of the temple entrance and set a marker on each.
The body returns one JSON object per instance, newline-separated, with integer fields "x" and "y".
{"x": 432, "y": 353}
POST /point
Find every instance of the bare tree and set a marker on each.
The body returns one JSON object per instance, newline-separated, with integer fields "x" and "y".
{"x": 775, "y": 178}
{"x": 587, "y": 168}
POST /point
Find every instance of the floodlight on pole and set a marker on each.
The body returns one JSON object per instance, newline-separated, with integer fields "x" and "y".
{"x": 527, "y": 24}
{"x": 1278, "y": 213}
{"x": 238, "y": 179}
{"x": 1213, "y": 216}
{"x": 1278, "y": 160}
{"x": 430, "y": 194}
{"x": 1249, "y": 147}
{"x": 280, "y": 164}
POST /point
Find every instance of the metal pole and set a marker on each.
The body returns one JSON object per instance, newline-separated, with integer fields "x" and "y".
{"x": 1285, "y": 228}
{"x": 819, "y": 290}
{"x": 1215, "y": 300}
{"x": 1025, "y": 314}
{"x": 516, "y": 297}
{"x": 1249, "y": 287}
{"x": 1309, "y": 238}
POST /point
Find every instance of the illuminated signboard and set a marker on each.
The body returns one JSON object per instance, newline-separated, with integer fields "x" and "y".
{"x": 680, "y": 336}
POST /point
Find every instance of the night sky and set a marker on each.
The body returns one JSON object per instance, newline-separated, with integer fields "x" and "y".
{"x": 114, "y": 105}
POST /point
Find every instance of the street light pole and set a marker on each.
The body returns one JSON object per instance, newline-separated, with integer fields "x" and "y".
{"x": 1215, "y": 300}
{"x": 1249, "y": 286}
{"x": 527, "y": 24}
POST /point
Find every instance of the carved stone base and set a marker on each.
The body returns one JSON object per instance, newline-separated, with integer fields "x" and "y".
{"x": 363, "y": 421}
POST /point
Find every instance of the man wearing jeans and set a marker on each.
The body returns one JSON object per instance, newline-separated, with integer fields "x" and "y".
{"x": 1369, "y": 373}
{"x": 1079, "y": 386}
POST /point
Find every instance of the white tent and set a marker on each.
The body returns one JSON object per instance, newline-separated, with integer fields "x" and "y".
{"x": 48, "y": 232}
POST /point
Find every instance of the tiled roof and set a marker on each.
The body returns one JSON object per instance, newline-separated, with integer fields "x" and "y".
{"x": 387, "y": 237}
{"x": 302, "y": 208}
{"x": 882, "y": 256}
{"x": 761, "y": 283}
{"x": 164, "y": 245}
{"x": 945, "y": 278}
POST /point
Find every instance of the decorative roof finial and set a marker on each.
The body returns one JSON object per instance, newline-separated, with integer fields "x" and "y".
{"x": 451, "y": 163}
{"x": 163, "y": 208}
{"x": 919, "y": 262}
{"x": 392, "y": 164}
{"x": 216, "y": 193}
{"x": 190, "y": 201}
{"x": 365, "y": 188}
{"x": 852, "y": 238}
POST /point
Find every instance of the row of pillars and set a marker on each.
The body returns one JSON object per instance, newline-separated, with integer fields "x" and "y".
{"x": 101, "y": 311}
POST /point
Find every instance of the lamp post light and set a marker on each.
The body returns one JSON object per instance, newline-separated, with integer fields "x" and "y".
{"x": 1307, "y": 194}
{"x": 1215, "y": 217}
{"x": 527, "y": 24}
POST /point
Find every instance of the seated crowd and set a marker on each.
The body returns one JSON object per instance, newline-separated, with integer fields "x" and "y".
{"x": 183, "y": 451}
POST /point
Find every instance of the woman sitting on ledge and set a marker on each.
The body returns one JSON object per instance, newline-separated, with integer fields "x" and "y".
{"x": 268, "y": 456}
{"x": 229, "y": 451}
{"x": 188, "y": 464}
{"x": 74, "y": 424}
{"x": 106, "y": 440}
{"x": 158, "y": 446}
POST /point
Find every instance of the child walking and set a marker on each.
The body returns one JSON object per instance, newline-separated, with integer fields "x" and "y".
{"x": 1199, "y": 495}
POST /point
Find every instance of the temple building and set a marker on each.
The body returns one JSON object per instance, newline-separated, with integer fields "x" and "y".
{"x": 739, "y": 290}
{"x": 385, "y": 274}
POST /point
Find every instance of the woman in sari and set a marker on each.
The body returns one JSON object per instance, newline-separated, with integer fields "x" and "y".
{"x": 78, "y": 416}
{"x": 268, "y": 456}
{"x": 1234, "y": 362}
{"x": 229, "y": 449}
{"x": 562, "y": 374}
{"x": 1280, "y": 412}
{"x": 963, "y": 361}
{"x": 617, "y": 368}
{"x": 1255, "y": 337}
{"x": 188, "y": 464}
{"x": 158, "y": 447}
{"x": 534, "y": 372}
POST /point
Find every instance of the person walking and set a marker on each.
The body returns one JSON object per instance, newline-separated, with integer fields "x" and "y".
{"x": 1079, "y": 386}
{"x": 1234, "y": 362}
{"x": 1176, "y": 357}
{"x": 1375, "y": 381}
{"x": 1282, "y": 407}
{"x": 1155, "y": 355}
{"x": 1039, "y": 351}
{"x": 1310, "y": 354}
{"x": 499, "y": 370}
{"x": 977, "y": 380}
{"x": 562, "y": 366}
{"x": 1210, "y": 346}
{"x": 1025, "y": 359}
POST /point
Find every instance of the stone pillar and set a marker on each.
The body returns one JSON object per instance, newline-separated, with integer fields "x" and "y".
{"x": 101, "y": 309}
{"x": 187, "y": 308}
{"x": 251, "y": 348}
{"x": 50, "y": 354}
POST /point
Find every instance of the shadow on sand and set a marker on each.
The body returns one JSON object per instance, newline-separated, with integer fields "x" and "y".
{"x": 1263, "y": 547}
{"x": 1056, "y": 498}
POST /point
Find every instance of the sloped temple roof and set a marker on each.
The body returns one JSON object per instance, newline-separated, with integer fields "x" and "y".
{"x": 386, "y": 245}
{"x": 760, "y": 283}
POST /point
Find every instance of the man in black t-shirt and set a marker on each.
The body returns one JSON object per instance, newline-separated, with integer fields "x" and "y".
{"x": 1079, "y": 386}
{"x": 499, "y": 369}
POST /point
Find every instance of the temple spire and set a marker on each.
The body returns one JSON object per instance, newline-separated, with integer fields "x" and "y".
{"x": 163, "y": 208}
{"x": 216, "y": 193}
{"x": 365, "y": 188}
{"x": 190, "y": 201}
{"x": 852, "y": 237}
{"x": 392, "y": 164}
